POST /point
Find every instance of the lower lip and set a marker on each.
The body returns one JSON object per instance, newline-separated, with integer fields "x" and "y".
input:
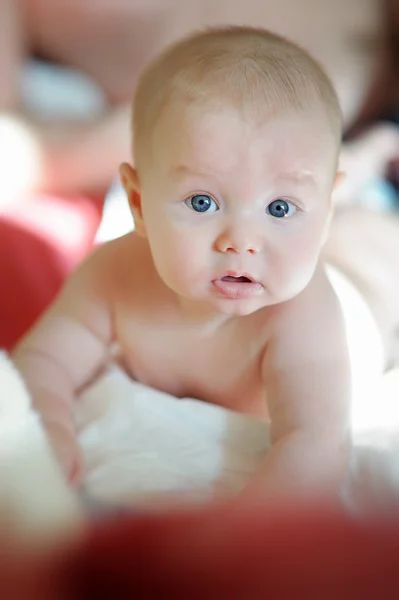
{"x": 235, "y": 290}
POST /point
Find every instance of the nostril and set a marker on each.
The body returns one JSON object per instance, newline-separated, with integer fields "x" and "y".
{"x": 251, "y": 251}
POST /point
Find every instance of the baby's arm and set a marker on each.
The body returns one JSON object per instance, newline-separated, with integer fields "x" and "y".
{"x": 63, "y": 351}
{"x": 306, "y": 370}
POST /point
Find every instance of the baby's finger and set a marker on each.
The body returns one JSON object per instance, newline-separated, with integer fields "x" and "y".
{"x": 67, "y": 453}
{"x": 76, "y": 471}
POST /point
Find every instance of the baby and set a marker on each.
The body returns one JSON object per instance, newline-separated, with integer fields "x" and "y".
{"x": 220, "y": 293}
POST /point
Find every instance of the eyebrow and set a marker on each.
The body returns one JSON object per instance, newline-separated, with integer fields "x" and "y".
{"x": 302, "y": 177}
{"x": 182, "y": 169}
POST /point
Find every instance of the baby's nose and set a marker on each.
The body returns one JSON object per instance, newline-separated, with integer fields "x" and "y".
{"x": 238, "y": 242}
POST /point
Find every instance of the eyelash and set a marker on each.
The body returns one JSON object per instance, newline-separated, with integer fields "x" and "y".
{"x": 194, "y": 194}
{"x": 284, "y": 198}
{"x": 288, "y": 201}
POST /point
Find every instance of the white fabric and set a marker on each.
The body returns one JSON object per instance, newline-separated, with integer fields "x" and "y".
{"x": 141, "y": 445}
{"x": 365, "y": 349}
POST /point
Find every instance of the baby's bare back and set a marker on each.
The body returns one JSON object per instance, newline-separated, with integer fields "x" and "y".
{"x": 165, "y": 351}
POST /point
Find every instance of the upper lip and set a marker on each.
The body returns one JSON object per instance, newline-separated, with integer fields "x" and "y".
{"x": 237, "y": 274}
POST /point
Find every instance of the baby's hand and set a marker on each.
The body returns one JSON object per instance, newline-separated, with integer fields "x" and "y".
{"x": 67, "y": 452}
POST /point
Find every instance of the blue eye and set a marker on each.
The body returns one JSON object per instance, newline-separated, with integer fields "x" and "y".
{"x": 202, "y": 203}
{"x": 280, "y": 209}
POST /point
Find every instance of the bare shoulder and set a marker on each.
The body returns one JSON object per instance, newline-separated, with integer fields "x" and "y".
{"x": 87, "y": 298}
{"x": 318, "y": 298}
{"x": 313, "y": 321}
{"x": 71, "y": 341}
{"x": 107, "y": 267}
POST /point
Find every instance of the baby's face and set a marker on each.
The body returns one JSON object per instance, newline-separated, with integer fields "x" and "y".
{"x": 236, "y": 214}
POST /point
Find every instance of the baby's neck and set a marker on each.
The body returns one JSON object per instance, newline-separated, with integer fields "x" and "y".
{"x": 199, "y": 316}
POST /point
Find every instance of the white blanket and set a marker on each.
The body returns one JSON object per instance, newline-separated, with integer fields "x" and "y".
{"x": 141, "y": 444}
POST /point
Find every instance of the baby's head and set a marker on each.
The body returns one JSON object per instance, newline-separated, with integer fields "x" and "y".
{"x": 236, "y": 139}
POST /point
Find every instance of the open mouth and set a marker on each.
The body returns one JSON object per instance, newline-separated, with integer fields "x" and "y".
{"x": 237, "y": 287}
{"x": 241, "y": 279}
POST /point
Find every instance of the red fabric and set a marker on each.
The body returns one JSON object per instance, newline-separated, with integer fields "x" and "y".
{"x": 237, "y": 555}
{"x": 219, "y": 555}
{"x": 41, "y": 241}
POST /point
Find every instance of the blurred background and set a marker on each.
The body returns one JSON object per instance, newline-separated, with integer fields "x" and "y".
{"x": 67, "y": 74}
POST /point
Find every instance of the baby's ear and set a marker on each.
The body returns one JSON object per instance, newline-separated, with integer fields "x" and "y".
{"x": 130, "y": 182}
{"x": 338, "y": 189}
{"x": 339, "y": 180}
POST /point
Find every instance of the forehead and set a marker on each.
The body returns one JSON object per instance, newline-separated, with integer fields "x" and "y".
{"x": 225, "y": 140}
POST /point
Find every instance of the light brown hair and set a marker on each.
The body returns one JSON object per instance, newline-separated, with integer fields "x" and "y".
{"x": 235, "y": 66}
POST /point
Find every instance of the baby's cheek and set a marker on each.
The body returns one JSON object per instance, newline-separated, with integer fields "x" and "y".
{"x": 291, "y": 273}
{"x": 186, "y": 267}
{"x": 191, "y": 268}
{"x": 183, "y": 256}
{"x": 172, "y": 260}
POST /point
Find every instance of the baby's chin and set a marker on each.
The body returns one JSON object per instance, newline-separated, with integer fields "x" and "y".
{"x": 240, "y": 308}
{"x": 234, "y": 308}
{"x": 248, "y": 306}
